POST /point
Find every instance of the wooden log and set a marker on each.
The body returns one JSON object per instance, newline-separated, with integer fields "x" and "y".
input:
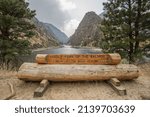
{"x": 44, "y": 83}
{"x": 39, "y": 92}
{"x": 119, "y": 89}
{"x": 114, "y": 81}
{"x": 81, "y": 59}
{"x": 38, "y": 72}
{"x": 41, "y": 58}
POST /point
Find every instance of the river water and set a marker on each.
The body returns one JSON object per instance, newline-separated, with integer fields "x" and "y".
{"x": 65, "y": 49}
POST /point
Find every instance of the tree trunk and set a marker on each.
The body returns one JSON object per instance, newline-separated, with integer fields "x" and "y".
{"x": 137, "y": 27}
{"x": 131, "y": 53}
{"x": 131, "y": 44}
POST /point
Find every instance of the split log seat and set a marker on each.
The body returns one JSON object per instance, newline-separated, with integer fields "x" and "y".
{"x": 38, "y": 72}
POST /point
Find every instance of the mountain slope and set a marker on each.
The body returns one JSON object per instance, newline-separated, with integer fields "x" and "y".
{"x": 42, "y": 38}
{"x": 88, "y": 32}
{"x": 56, "y": 33}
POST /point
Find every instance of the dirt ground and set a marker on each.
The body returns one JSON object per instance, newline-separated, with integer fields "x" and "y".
{"x": 76, "y": 90}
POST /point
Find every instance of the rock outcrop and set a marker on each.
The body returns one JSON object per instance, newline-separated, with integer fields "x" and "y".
{"x": 88, "y": 32}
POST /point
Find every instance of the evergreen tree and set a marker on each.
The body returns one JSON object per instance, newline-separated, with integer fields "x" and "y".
{"x": 14, "y": 26}
{"x": 126, "y": 27}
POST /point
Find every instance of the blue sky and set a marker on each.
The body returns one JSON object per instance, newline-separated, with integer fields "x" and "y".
{"x": 65, "y": 14}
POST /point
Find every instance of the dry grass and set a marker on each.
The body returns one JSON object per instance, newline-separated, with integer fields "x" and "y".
{"x": 6, "y": 74}
{"x": 5, "y": 77}
{"x": 145, "y": 69}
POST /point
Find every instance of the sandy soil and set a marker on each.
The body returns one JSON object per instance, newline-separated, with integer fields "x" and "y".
{"x": 76, "y": 90}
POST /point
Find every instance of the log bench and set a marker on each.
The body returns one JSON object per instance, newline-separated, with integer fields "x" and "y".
{"x": 83, "y": 67}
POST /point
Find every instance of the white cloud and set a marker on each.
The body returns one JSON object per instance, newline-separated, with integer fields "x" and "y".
{"x": 65, "y": 14}
{"x": 70, "y": 26}
{"x": 67, "y": 5}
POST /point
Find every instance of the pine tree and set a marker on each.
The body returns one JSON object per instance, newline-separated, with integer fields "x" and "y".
{"x": 126, "y": 27}
{"x": 14, "y": 26}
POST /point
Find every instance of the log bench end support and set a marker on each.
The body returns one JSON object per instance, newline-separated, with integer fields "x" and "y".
{"x": 39, "y": 92}
{"x": 116, "y": 85}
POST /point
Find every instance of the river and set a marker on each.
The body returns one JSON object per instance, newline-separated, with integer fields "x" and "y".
{"x": 65, "y": 49}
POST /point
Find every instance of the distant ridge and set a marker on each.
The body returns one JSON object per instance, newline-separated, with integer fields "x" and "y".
{"x": 56, "y": 33}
